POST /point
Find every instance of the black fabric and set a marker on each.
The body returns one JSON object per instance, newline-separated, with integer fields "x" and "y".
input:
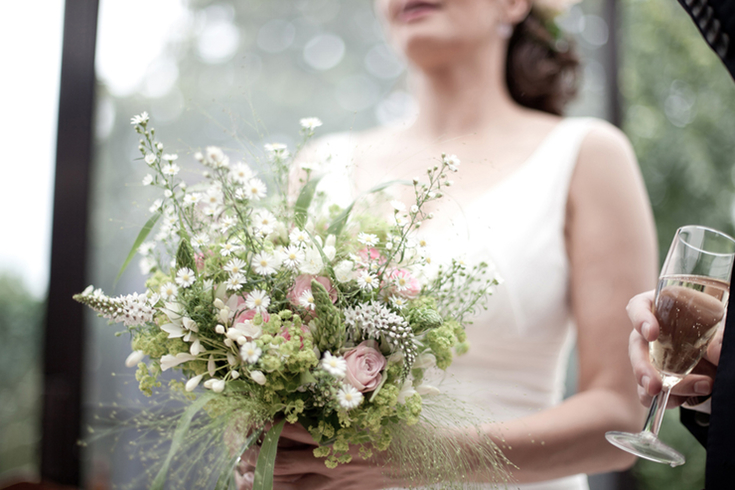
{"x": 720, "y": 473}
{"x": 696, "y": 422}
{"x": 715, "y": 19}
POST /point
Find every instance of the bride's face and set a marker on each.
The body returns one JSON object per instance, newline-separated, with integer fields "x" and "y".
{"x": 430, "y": 32}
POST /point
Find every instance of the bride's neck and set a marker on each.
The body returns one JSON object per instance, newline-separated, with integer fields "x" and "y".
{"x": 463, "y": 97}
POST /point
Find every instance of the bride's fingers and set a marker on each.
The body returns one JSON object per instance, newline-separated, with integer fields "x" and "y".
{"x": 645, "y": 374}
{"x": 305, "y": 482}
{"x": 296, "y": 432}
{"x": 640, "y": 313}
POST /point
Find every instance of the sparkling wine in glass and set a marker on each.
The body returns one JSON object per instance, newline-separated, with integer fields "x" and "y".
{"x": 690, "y": 304}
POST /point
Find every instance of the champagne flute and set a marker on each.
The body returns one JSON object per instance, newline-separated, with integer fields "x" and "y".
{"x": 691, "y": 302}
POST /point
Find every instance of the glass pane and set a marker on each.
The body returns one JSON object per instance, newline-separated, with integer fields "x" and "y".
{"x": 29, "y": 102}
{"x": 232, "y": 74}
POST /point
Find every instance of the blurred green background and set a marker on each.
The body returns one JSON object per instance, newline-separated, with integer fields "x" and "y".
{"x": 235, "y": 73}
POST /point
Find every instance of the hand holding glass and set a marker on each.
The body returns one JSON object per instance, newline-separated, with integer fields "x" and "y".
{"x": 691, "y": 302}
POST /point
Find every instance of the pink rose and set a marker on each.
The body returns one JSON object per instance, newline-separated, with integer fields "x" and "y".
{"x": 303, "y": 283}
{"x": 364, "y": 364}
{"x": 404, "y": 284}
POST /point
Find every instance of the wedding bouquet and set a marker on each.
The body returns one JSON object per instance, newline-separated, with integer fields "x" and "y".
{"x": 284, "y": 310}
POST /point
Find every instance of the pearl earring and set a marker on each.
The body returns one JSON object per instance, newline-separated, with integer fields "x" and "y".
{"x": 505, "y": 30}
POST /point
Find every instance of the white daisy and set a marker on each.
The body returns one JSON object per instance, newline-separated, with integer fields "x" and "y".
{"x": 214, "y": 154}
{"x": 250, "y": 352}
{"x": 310, "y": 123}
{"x": 276, "y": 149}
{"x": 170, "y": 169}
{"x": 146, "y": 248}
{"x": 228, "y": 248}
{"x": 200, "y": 240}
{"x": 401, "y": 221}
{"x": 150, "y": 158}
{"x": 257, "y": 300}
{"x": 298, "y": 237}
{"x": 292, "y": 257}
{"x": 185, "y": 277}
{"x": 264, "y": 221}
{"x": 264, "y": 264}
{"x": 414, "y": 209}
{"x": 398, "y": 302}
{"x": 398, "y": 205}
{"x": 156, "y": 205}
{"x": 235, "y": 282}
{"x": 192, "y": 198}
{"x": 349, "y": 397}
{"x": 234, "y": 266}
{"x": 368, "y": 239}
{"x": 213, "y": 197}
{"x": 226, "y": 223}
{"x": 148, "y": 179}
{"x": 255, "y": 189}
{"x": 168, "y": 291}
{"x": 170, "y": 158}
{"x": 140, "y": 119}
{"x": 334, "y": 365}
{"x": 367, "y": 281}
{"x": 307, "y": 299}
{"x": 452, "y": 162}
{"x": 241, "y": 173}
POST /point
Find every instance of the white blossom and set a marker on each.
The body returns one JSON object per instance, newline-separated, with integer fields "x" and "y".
{"x": 185, "y": 277}
{"x": 250, "y": 352}
{"x": 193, "y": 382}
{"x": 139, "y": 119}
{"x": 255, "y": 189}
{"x": 368, "y": 239}
{"x": 168, "y": 361}
{"x": 257, "y": 300}
{"x": 241, "y": 173}
{"x": 148, "y": 179}
{"x": 168, "y": 291}
{"x": 306, "y": 299}
{"x": 334, "y": 365}
{"x": 292, "y": 257}
{"x": 134, "y": 358}
{"x": 265, "y": 264}
{"x": 170, "y": 169}
{"x": 310, "y": 123}
{"x": 343, "y": 271}
{"x": 258, "y": 377}
{"x": 348, "y": 396}
{"x": 367, "y": 281}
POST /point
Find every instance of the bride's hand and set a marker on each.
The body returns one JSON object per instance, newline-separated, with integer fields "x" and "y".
{"x": 298, "y": 469}
{"x": 646, "y": 329}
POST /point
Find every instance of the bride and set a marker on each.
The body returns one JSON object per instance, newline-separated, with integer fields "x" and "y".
{"x": 557, "y": 204}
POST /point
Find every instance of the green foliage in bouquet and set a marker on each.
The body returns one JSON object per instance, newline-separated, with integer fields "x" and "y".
{"x": 287, "y": 311}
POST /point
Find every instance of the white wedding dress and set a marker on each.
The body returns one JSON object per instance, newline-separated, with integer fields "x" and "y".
{"x": 519, "y": 347}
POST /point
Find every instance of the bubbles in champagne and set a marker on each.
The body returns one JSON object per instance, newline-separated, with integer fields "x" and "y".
{"x": 688, "y": 310}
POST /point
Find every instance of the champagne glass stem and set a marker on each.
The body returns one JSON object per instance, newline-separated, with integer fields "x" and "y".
{"x": 658, "y": 406}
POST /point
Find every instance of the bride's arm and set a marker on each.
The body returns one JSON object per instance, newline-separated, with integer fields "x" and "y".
{"x": 612, "y": 250}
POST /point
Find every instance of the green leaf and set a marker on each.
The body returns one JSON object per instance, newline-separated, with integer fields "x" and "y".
{"x": 304, "y": 201}
{"x": 267, "y": 458}
{"x": 307, "y": 377}
{"x": 225, "y": 478}
{"x": 335, "y": 228}
{"x": 138, "y": 241}
{"x": 181, "y": 430}
{"x": 185, "y": 255}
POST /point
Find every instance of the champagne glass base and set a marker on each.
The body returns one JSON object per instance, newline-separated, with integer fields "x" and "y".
{"x": 647, "y": 446}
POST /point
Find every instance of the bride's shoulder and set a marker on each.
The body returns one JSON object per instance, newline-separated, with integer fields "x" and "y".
{"x": 604, "y": 143}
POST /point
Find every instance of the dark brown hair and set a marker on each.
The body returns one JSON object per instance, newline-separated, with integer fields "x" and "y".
{"x": 542, "y": 69}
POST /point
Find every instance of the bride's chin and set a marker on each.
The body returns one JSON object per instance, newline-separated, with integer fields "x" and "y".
{"x": 428, "y": 52}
